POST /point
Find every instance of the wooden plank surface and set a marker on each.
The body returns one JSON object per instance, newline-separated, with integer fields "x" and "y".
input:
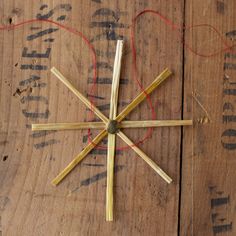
{"x": 144, "y": 204}
{"x": 208, "y": 163}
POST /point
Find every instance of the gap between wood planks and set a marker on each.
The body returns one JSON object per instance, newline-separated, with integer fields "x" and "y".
{"x": 181, "y": 134}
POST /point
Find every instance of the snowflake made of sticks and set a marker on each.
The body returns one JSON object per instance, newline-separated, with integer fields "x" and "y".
{"x": 112, "y": 126}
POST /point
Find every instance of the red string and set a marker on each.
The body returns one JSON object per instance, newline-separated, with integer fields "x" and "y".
{"x": 174, "y": 27}
{"x": 75, "y": 32}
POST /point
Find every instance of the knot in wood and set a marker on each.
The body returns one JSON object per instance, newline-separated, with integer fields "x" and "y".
{"x": 113, "y": 127}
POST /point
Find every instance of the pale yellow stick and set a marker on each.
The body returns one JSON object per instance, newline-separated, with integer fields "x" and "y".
{"x": 126, "y": 111}
{"x": 79, "y": 157}
{"x": 101, "y": 125}
{"x": 110, "y": 175}
{"x": 112, "y": 137}
{"x": 79, "y": 95}
{"x": 68, "y": 126}
{"x": 165, "y": 74}
{"x": 150, "y": 162}
{"x": 116, "y": 80}
{"x": 154, "y": 123}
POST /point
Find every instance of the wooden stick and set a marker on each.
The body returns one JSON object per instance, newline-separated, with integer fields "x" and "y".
{"x": 79, "y": 95}
{"x": 102, "y": 134}
{"x": 165, "y": 74}
{"x": 154, "y": 123}
{"x": 69, "y": 126}
{"x": 112, "y": 137}
{"x": 79, "y": 157}
{"x": 116, "y": 80}
{"x": 111, "y": 144}
{"x": 150, "y": 162}
{"x": 101, "y": 125}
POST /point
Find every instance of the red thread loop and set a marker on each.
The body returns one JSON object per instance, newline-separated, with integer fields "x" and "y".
{"x": 178, "y": 28}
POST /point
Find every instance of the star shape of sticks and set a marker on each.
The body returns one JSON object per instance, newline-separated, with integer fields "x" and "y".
{"x": 111, "y": 127}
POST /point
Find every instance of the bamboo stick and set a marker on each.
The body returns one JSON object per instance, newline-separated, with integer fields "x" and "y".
{"x": 79, "y": 157}
{"x": 154, "y": 123}
{"x": 68, "y": 126}
{"x": 112, "y": 137}
{"x": 79, "y": 95}
{"x": 164, "y": 75}
{"x": 150, "y": 162}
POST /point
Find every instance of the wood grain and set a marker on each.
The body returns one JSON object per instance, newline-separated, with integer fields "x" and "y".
{"x": 79, "y": 95}
{"x": 147, "y": 159}
{"x": 144, "y": 204}
{"x": 208, "y": 164}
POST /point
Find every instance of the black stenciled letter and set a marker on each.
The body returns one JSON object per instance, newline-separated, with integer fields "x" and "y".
{"x": 35, "y": 54}
{"x": 230, "y": 133}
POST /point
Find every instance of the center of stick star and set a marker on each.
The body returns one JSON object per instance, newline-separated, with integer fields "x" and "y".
{"x": 113, "y": 127}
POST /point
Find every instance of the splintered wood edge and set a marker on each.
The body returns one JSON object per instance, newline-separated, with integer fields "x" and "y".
{"x": 79, "y": 95}
{"x": 68, "y": 126}
{"x": 163, "y": 76}
{"x": 79, "y": 158}
{"x": 112, "y": 137}
{"x": 149, "y": 161}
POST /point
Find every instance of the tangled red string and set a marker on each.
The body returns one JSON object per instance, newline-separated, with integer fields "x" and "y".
{"x": 176, "y": 28}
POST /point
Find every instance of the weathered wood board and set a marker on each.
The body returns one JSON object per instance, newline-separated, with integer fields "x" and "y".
{"x": 208, "y": 161}
{"x": 200, "y": 201}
